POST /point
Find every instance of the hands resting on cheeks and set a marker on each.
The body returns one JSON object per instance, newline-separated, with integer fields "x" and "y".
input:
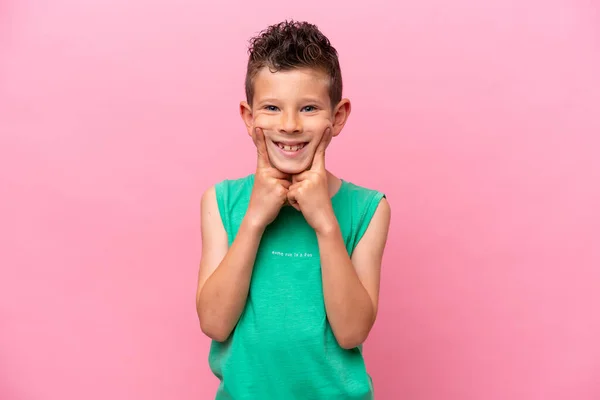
{"x": 308, "y": 192}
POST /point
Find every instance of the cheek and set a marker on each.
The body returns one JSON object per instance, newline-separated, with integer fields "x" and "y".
{"x": 261, "y": 120}
{"x": 316, "y": 134}
{"x": 316, "y": 125}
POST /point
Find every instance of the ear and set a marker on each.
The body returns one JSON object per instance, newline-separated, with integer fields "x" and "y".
{"x": 341, "y": 112}
{"x": 247, "y": 117}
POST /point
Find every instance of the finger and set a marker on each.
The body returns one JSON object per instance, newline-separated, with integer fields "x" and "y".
{"x": 301, "y": 176}
{"x": 285, "y": 183}
{"x": 292, "y": 200}
{"x": 319, "y": 158}
{"x": 261, "y": 148}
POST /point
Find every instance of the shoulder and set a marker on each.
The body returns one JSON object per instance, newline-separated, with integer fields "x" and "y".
{"x": 366, "y": 212}
{"x": 225, "y": 201}
{"x": 381, "y": 218}
{"x": 374, "y": 227}
{"x": 209, "y": 207}
{"x": 209, "y": 198}
{"x": 373, "y": 201}
{"x": 233, "y": 183}
{"x": 226, "y": 187}
{"x": 361, "y": 190}
{"x": 377, "y": 211}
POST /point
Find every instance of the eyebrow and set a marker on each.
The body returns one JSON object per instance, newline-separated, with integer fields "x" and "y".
{"x": 312, "y": 100}
{"x": 268, "y": 100}
{"x": 302, "y": 100}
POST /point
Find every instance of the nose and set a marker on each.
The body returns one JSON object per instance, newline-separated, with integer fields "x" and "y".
{"x": 290, "y": 123}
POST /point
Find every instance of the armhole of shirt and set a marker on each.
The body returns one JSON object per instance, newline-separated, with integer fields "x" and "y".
{"x": 221, "y": 191}
{"x": 367, "y": 215}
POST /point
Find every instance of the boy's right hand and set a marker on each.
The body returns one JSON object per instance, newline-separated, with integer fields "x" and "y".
{"x": 270, "y": 189}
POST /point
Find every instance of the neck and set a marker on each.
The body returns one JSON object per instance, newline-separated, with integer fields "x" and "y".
{"x": 334, "y": 183}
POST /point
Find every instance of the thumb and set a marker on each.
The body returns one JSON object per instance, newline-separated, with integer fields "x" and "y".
{"x": 261, "y": 148}
{"x": 319, "y": 158}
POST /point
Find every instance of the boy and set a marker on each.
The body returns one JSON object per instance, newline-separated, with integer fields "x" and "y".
{"x": 288, "y": 284}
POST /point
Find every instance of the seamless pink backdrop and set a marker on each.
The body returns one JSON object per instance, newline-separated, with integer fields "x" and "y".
{"x": 480, "y": 121}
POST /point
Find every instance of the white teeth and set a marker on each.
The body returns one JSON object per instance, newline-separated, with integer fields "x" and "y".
{"x": 290, "y": 148}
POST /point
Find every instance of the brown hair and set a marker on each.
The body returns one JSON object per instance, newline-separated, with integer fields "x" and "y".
{"x": 289, "y": 45}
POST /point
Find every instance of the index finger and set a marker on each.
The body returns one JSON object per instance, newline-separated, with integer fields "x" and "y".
{"x": 319, "y": 158}
{"x": 261, "y": 148}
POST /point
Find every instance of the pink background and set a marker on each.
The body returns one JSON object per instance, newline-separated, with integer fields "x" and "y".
{"x": 480, "y": 120}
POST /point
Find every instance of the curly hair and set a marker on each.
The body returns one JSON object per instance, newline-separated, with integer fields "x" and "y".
{"x": 289, "y": 45}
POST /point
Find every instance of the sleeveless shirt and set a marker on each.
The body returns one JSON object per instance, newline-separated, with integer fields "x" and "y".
{"x": 282, "y": 347}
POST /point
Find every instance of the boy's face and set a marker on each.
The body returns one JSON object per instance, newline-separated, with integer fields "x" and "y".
{"x": 293, "y": 108}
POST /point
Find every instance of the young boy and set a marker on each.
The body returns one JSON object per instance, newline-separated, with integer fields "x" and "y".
{"x": 289, "y": 277}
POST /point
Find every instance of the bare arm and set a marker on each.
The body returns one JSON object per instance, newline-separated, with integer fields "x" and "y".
{"x": 224, "y": 275}
{"x": 351, "y": 285}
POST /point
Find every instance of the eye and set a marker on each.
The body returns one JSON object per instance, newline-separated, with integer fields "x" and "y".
{"x": 310, "y": 108}
{"x": 271, "y": 108}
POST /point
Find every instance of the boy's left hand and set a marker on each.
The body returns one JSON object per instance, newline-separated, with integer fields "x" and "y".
{"x": 309, "y": 192}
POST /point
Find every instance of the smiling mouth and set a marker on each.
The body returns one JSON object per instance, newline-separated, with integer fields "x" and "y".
{"x": 292, "y": 148}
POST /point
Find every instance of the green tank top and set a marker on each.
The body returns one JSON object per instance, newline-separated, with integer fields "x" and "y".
{"x": 282, "y": 347}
